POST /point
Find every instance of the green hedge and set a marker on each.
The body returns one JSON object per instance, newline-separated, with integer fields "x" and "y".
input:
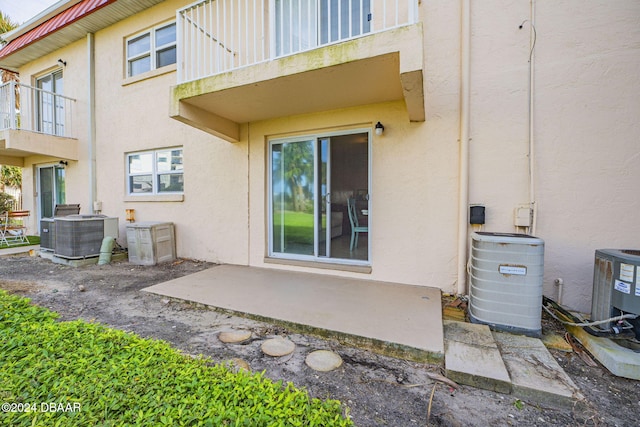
{"x": 80, "y": 374}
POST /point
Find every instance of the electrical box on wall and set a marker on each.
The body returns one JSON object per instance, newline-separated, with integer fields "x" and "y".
{"x": 523, "y": 215}
{"x": 476, "y": 214}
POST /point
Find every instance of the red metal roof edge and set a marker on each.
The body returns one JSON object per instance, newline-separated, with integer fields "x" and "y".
{"x": 61, "y": 20}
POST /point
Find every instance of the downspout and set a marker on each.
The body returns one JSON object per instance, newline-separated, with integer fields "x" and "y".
{"x": 463, "y": 190}
{"x": 91, "y": 63}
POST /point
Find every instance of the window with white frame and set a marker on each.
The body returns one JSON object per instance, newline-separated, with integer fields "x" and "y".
{"x": 152, "y": 49}
{"x": 155, "y": 172}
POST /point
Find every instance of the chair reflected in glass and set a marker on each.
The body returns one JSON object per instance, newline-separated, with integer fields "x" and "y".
{"x": 356, "y": 228}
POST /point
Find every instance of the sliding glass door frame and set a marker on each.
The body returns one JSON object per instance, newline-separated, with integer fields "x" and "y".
{"x": 51, "y": 192}
{"x": 321, "y": 198}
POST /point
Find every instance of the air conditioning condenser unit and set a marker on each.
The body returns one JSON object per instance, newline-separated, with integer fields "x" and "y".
{"x": 616, "y": 287}
{"x": 80, "y": 236}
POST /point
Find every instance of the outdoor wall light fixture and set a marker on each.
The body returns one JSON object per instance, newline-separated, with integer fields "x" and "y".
{"x": 379, "y": 128}
{"x": 63, "y": 163}
{"x": 62, "y": 63}
{"x": 131, "y": 215}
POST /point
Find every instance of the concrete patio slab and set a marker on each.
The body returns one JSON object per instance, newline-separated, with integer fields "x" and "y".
{"x": 391, "y": 318}
{"x": 19, "y": 250}
{"x": 535, "y": 375}
{"x": 473, "y": 358}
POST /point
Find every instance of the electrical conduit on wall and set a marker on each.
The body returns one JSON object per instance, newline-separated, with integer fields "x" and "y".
{"x": 532, "y": 187}
{"x": 463, "y": 191}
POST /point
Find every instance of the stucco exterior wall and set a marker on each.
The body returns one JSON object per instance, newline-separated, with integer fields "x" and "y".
{"x": 585, "y": 128}
{"x": 585, "y": 131}
{"x": 404, "y": 194}
{"x": 587, "y": 109}
{"x": 75, "y": 86}
{"x": 132, "y": 115}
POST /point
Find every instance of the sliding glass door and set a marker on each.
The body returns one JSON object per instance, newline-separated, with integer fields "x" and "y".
{"x": 50, "y": 106}
{"x": 311, "y": 181}
{"x": 51, "y": 189}
{"x": 304, "y": 24}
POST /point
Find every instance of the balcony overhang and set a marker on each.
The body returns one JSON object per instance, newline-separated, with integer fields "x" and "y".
{"x": 15, "y": 145}
{"x": 380, "y": 67}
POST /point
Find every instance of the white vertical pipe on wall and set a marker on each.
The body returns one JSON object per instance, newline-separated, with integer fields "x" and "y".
{"x": 532, "y": 153}
{"x": 91, "y": 69}
{"x": 463, "y": 190}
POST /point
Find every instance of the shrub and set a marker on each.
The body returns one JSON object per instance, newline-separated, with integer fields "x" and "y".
{"x": 117, "y": 378}
{"x": 6, "y": 202}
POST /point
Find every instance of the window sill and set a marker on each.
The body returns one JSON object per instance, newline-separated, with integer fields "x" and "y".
{"x": 365, "y": 269}
{"x": 155, "y": 198}
{"x": 149, "y": 74}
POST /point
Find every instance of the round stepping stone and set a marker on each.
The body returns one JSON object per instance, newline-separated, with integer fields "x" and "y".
{"x": 237, "y": 364}
{"x": 277, "y": 347}
{"x": 231, "y": 337}
{"x": 323, "y": 360}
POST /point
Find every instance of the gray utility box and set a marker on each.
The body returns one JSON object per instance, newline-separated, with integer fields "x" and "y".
{"x": 151, "y": 243}
{"x": 505, "y": 282}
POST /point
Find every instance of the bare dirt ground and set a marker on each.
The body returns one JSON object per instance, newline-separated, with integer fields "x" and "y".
{"x": 379, "y": 391}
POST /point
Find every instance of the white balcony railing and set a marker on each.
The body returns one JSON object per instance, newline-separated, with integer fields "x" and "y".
{"x": 24, "y": 107}
{"x": 215, "y": 36}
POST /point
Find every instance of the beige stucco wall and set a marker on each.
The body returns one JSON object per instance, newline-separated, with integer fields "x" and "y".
{"x": 587, "y": 109}
{"x": 586, "y": 92}
{"x": 585, "y": 133}
{"x": 132, "y": 115}
{"x": 402, "y": 165}
{"x": 75, "y": 86}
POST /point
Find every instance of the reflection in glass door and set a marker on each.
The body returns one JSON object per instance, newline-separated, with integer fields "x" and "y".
{"x": 50, "y": 106}
{"x": 292, "y": 190}
{"x": 311, "y": 180}
{"x": 51, "y": 190}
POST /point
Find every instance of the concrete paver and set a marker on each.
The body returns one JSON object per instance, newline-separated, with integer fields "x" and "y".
{"x": 535, "y": 374}
{"x": 278, "y": 347}
{"x": 472, "y": 357}
{"x": 232, "y": 337}
{"x": 506, "y": 363}
{"x": 618, "y": 360}
{"x": 323, "y": 360}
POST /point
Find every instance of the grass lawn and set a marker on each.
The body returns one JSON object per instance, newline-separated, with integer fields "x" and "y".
{"x": 298, "y": 226}
{"x": 33, "y": 240}
{"x": 84, "y": 374}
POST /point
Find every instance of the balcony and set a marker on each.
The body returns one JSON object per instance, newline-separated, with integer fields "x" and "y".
{"x": 250, "y": 60}
{"x": 34, "y": 122}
